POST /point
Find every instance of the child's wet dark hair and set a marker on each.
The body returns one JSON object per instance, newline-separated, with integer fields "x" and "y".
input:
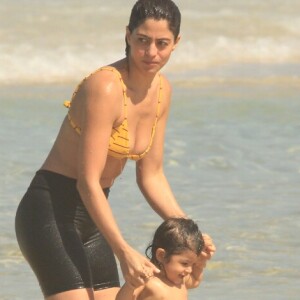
{"x": 175, "y": 235}
{"x": 157, "y": 10}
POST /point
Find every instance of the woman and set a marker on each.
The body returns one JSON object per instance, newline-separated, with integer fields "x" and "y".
{"x": 117, "y": 113}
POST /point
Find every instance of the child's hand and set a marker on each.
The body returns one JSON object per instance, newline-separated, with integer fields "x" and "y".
{"x": 209, "y": 247}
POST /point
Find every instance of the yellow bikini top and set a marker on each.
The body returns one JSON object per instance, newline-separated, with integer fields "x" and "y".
{"x": 119, "y": 140}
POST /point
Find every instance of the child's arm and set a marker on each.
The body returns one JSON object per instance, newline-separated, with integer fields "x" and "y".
{"x": 198, "y": 268}
{"x": 196, "y": 276}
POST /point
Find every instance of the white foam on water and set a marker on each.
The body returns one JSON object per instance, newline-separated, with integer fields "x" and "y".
{"x": 62, "y": 41}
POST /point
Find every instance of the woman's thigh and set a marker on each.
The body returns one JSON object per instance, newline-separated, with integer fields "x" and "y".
{"x": 106, "y": 294}
{"x": 102, "y": 263}
{"x": 60, "y": 241}
{"x": 86, "y": 294}
{"x": 53, "y": 249}
{"x": 78, "y": 294}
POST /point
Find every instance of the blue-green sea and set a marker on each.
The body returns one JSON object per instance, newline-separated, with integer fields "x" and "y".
{"x": 232, "y": 151}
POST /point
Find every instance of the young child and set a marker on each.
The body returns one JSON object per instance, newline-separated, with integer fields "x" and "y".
{"x": 180, "y": 251}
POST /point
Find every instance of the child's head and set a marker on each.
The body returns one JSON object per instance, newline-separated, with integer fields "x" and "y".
{"x": 175, "y": 236}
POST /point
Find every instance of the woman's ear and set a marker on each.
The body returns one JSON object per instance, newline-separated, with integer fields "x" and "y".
{"x": 128, "y": 35}
{"x": 176, "y": 42}
{"x": 160, "y": 254}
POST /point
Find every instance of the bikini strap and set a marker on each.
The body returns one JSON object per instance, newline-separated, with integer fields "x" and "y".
{"x": 158, "y": 104}
{"x": 68, "y": 103}
{"x": 73, "y": 125}
{"x": 124, "y": 88}
{"x": 159, "y": 96}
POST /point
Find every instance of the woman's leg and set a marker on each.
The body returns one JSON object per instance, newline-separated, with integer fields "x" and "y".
{"x": 103, "y": 267}
{"x": 86, "y": 294}
{"x": 49, "y": 240}
{"x": 106, "y": 294}
{"x": 79, "y": 294}
{"x": 61, "y": 243}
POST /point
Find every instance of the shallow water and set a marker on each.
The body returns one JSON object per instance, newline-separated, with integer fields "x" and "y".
{"x": 232, "y": 148}
{"x": 234, "y": 165}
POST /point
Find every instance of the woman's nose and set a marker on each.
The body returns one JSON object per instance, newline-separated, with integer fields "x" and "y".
{"x": 151, "y": 49}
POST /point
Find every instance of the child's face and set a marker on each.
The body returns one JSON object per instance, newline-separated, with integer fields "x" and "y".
{"x": 178, "y": 266}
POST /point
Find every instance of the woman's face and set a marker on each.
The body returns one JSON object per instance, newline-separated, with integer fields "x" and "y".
{"x": 151, "y": 45}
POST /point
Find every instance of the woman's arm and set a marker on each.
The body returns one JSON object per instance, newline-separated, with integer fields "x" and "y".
{"x": 100, "y": 92}
{"x": 128, "y": 292}
{"x": 99, "y": 113}
{"x": 149, "y": 172}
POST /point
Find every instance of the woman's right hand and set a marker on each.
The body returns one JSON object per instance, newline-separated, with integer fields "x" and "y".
{"x": 136, "y": 268}
{"x": 209, "y": 247}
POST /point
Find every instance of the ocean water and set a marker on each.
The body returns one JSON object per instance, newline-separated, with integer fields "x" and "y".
{"x": 232, "y": 146}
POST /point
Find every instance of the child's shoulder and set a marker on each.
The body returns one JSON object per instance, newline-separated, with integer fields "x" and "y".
{"x": 154, "y": 289}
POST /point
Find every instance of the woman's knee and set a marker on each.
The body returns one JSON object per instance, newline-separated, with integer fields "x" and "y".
{"x": 78, "y": 294}
{"x": 107, "y": 294}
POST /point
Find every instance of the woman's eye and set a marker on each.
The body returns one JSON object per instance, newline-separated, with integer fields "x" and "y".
{"x": 143, "y": 40}
{"x": 162, "y": 44}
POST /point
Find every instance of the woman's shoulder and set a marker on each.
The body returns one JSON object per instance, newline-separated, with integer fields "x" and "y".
{"x": 105, "y": 74}
{"x": 166, "y": 85}
{"x": 104, "y": 81}
{"x": 166, "y": 93}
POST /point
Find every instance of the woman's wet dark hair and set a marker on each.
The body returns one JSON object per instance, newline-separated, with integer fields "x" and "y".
{"x": 157, "y": 10}
{"x": 175, "y": 235}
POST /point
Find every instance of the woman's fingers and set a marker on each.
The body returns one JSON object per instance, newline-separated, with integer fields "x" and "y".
{"x": 140, "y": 275}
{"x": 148, "y": 270}
{"x": 209, "y": 247}
{"x": 137, "y": 269}
{"x": 152, "y": 267}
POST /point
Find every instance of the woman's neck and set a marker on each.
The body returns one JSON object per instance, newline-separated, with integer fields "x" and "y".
{"x": 137, "y": 80}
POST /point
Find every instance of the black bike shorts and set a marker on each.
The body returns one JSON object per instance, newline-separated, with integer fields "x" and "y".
{"x": 59, "y": 239}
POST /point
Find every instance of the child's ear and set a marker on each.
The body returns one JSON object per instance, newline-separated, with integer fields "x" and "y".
{"x": 160, "y": 254}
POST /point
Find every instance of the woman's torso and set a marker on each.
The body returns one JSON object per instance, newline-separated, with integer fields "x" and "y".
{"x": 141, "y": 114}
